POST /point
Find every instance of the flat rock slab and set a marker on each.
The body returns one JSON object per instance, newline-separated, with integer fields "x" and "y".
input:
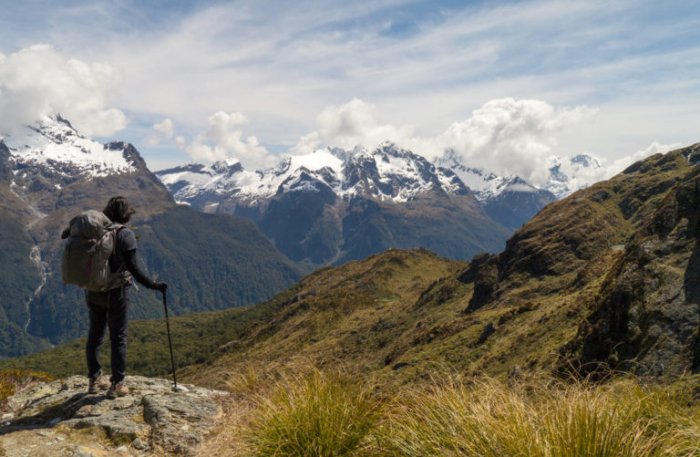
{"x": 61, "y": 419}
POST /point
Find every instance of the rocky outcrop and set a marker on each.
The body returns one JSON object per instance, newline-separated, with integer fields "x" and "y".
{"x": 61, "y": 418}
{"x": 5, "y": 168}
{"x": 647, "y": 317}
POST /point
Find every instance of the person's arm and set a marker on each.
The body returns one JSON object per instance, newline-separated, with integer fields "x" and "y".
{"x": 132, "y": 267}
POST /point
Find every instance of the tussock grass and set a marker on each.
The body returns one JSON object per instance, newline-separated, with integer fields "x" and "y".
{"x": 313, "y": 415}
{"x": 488, "y": 418}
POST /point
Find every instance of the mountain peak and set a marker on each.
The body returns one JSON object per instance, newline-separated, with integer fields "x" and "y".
{"x": 563, "y": 172}
{"x": 54, "y": 145}
{"x": 586, "y": 160}
{"x": 227, "y": 166}
{"x": 385, "y": 173}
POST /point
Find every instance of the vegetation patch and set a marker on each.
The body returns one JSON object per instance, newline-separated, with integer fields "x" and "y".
{"x": 316, "y": 415}
{"x": 541, "y": 419}
{"x": 12, "y": 381}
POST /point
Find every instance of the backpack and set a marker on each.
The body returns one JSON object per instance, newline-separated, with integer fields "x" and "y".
{"x": 92, "y": 239}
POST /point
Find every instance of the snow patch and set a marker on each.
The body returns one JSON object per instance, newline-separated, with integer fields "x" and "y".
{"x": 54, "y": 144}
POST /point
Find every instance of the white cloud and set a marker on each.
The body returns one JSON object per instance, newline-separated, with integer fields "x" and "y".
{"x": 512, "y": 136}
{"x": 654, "y": 148}
{"x": 163, "y": 130}
{"x": 504, "y": 135}
{"x": 181, "y": 142}
{"x": 39, "y": 81}
{"x": 224, "y": 140}
{"x": 352, "y": 124}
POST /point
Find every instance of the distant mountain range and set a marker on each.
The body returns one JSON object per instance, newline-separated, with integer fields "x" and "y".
{"x": 335, "y": 205}
{"x": 48, "y": 174}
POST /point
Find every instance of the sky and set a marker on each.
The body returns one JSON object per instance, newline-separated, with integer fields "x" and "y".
{"x": 504, "y": 84}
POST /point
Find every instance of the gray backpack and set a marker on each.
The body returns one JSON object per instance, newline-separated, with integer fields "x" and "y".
{"x": 92, "y": 239}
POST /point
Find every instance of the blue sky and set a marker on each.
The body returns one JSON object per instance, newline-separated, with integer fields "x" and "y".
{"x": 616, "y": 78}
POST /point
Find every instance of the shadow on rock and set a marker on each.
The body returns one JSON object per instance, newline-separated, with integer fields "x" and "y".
{"x": 52, "y": 415}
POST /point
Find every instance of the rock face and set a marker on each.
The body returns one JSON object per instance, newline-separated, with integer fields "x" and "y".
{"x": 648, "y": 313}
{"x": 61, "y": 418}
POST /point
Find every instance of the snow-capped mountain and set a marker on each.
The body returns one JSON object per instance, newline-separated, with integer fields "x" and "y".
{"x": 485, "y": 184}
{"x": 319, "y": 206}
{"x": 509, "y": 199}
{"x": 52, "y": 143}
{"x": 567, "y": 175}
{"x": 50, "y": 155}
{"x": 387, "y": 173}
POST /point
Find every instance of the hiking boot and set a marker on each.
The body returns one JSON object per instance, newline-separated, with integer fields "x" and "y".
{"x": 117, "y": 390}
{"x": 97, "y": 384}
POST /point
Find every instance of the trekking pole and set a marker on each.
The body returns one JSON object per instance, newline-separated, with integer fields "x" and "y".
{"x": 170, "y": 341}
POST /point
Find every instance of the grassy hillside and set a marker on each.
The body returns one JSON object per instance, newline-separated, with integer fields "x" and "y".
{"x": 328, "y": 314}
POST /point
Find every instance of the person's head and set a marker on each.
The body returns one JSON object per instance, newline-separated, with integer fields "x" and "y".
{"x": 118, "y": 210}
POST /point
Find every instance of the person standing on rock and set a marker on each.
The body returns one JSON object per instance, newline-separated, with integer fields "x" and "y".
{"x": 110, "y": 308}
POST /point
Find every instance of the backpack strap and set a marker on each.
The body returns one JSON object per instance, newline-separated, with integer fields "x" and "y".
{"x": 115, "y": 228}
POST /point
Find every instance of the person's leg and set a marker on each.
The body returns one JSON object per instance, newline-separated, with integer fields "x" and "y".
{"x": 117, "y": 320}
{"x": 98, "y": 325}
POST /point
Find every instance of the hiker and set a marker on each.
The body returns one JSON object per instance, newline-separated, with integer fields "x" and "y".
{"x": 110, "y": 308}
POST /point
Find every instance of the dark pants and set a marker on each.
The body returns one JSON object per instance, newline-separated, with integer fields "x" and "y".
{"x": 107, "y": 309}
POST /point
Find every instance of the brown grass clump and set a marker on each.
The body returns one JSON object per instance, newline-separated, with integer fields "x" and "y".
{"x": 487, "y": 418}
{"x": 12, "y": 381}
{"x": 314, "y": 415}
{"x": 307, "y": 412}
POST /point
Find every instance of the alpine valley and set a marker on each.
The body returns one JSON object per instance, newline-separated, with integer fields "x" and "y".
{"x": 605, "y": 278}
{"x": 48, "y": 174}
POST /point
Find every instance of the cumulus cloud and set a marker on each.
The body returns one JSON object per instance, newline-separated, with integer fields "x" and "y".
{"x": 224, "y": 140}
{"x": 349, "y": 125}
{"x": 504, "y": 135}
{"x": 38, "y": 81}
{"x": 163, "y": 130}
{"x": 653, "y": 148}
{"x": 512, "y": 136}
